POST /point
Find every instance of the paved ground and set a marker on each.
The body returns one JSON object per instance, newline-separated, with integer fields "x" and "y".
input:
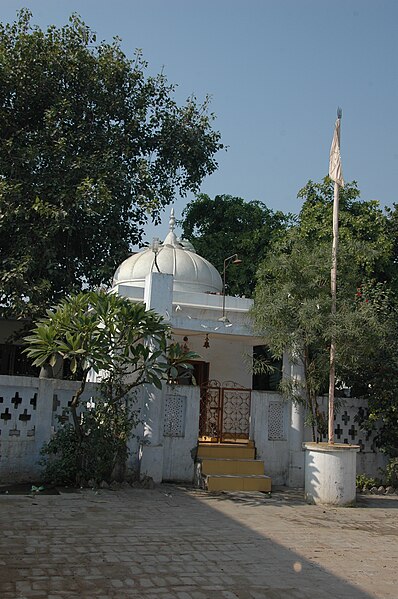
{"x": 176, "y": 543}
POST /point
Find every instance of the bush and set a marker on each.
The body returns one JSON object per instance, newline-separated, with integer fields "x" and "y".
{"x": 71, "y": 460}
{"x": 366, "y": 482}
{"x": 391, "y": 473}
{"x": 60, "y": 457}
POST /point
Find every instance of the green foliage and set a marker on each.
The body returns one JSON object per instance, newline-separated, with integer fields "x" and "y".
{"x": 374, "y": 373}
{"x": 90, "y": 146}
{"x": 363, "y": 481}
{"x": 127, "y": 345}
{"x": 391, "y": 472}
{"x": 364, "y": 230}
{"x": 227, "y": 225}
{"x": 69, "y": 459}
{"x": 60, "y": 457}
{"x": 292, "y": 308}
{"x": 100, "y": 331}
{"x": 177, "y": 362}
{"x": 111, "y": 335}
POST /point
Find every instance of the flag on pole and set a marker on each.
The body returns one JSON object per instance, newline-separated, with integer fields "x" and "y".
{"x": 335, "y": 170}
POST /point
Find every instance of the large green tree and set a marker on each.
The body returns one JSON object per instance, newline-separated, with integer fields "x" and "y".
{"x": 90, "y": 147}
{"x": 227, "y": 225}
{"x": 292, "y": 300}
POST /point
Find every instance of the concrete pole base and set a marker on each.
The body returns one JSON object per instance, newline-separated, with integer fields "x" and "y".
{"x": 330, "y": 472}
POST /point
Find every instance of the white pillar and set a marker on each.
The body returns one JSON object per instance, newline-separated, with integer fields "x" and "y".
{"x": 44, "y": 413}
{"x": 296, "y": 432}
{"x": 158, "y": 296}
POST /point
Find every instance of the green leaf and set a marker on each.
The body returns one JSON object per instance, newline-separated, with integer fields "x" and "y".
{"x": 73, "y": 365}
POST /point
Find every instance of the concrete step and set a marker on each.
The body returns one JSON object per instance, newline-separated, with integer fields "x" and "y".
{"x": 226, "y": 450}
{"x": 213, "y": 441}
{"x": 231, "y": 466}
{"x": 225, "y": 482}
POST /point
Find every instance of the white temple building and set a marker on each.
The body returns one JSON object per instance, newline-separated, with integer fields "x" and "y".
{"x": 188, "y": 292}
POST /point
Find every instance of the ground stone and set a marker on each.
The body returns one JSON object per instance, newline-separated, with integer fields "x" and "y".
{"x": 177, "y": 543}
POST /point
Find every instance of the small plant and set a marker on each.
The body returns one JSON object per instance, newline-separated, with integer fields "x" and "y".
{"x": 391, "y": 472}
{"x": 60, "y": 457}
{"x": 366, "y": 482}
{"x": 102, "y": 452}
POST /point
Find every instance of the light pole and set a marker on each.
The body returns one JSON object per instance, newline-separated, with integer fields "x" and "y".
{"x": 230, "y": 260}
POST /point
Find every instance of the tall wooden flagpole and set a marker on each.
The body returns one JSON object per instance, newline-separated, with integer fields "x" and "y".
{"x": 335, "y": 173}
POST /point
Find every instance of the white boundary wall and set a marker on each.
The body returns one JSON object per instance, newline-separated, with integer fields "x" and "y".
{"x": 278, "y": 438}
{"x": 28, "y": 418}
{"x": 164, "y": 443}
{"x": 29, "y": 415}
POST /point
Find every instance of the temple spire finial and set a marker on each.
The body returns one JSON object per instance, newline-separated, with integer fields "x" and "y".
{"x": 171, "y": 238}
{"x": 172, "y": 221}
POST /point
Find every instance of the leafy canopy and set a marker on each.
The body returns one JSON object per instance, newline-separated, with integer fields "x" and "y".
{"x": 104, "y": 332}
{"x": 292, "y": 308}
{"x": 111, "y": 335}
{"x": 374, "y": 374}
{"x": 228, "y": 225}
{"x": 90, "y": 147}
{"x": 127, "y": 346}
{"x": 364, "y": 229}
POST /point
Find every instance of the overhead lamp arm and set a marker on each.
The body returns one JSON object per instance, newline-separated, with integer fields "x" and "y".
{"x": 230, "y": 260}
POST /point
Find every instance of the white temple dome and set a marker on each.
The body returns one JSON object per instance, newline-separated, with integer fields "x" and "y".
{"x": 190, "y": 271}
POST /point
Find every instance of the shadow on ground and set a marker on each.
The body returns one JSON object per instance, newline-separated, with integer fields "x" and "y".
{"x": 178, "y": 543}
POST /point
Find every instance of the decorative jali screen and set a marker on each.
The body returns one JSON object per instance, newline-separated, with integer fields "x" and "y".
{"x": 276, "y": 421}
{"x": 18, "y": 412}
{"x": 174, "y": 415}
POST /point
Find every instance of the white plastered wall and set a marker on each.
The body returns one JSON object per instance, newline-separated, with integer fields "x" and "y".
{"x": 229, "y": 357}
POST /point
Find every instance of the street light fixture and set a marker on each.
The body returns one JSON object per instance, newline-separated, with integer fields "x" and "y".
{"x": 155, "y": 247}
{"x": 230, "y": 260}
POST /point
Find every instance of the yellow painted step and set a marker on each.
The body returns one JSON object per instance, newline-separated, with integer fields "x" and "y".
{"x": 238, "y": 452}
{"x": 219, "y": 482}
{"x": 245, "y": 443}
{"x": 211, "y": 440}
{"x": 231, "y": 466}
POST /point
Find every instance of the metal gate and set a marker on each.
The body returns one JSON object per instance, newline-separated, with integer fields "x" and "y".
{"x": 224, "y": 412}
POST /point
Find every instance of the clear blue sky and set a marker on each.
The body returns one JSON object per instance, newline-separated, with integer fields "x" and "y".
{"x": 276, "y": 71}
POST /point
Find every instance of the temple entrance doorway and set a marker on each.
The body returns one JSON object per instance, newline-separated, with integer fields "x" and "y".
{"x": 224, "y": 412}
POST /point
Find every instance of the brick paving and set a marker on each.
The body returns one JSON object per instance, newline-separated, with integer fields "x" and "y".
{"x": 177, "y": 543}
